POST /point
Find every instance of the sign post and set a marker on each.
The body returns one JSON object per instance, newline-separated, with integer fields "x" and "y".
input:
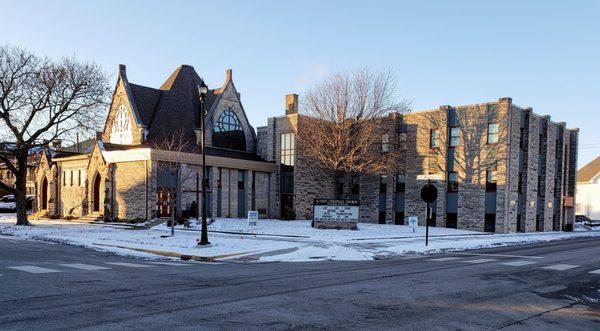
{"x": 428, "y": 195}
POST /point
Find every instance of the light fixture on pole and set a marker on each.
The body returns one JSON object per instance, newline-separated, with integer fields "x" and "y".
{"x": 203, "y": 90}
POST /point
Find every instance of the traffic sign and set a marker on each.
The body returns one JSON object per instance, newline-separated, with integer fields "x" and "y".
{"x": 429, "y": 193}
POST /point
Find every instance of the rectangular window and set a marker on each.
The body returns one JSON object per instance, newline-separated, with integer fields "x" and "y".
{"x": 382, "y": 184}
{"x": 490, "y": 178}
{"x": 454, "y": 136}
{"x": 400, "y": 183}
{"x": 385, "y": 143}
{"x": 434, "y": 138}
{"x": 493, "y": 133}
{"x": 79, "y": 179}
{"x": 288, "y": 142}
{"x": 522, "y": 138}
{"x": 452, "y": 181}
{"x": 64, "y": 178}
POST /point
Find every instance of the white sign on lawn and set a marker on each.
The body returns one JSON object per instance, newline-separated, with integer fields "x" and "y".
{"x": 335, "y": 210}
{"x": 252, "y": 217}
{"x": 413, "y": 222}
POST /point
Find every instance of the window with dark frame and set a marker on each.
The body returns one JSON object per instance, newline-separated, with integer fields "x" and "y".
{"x": 382, "y": 184}
{"x": 400, "y": 183}
{"x": 490, "y": 178}
{"x": 385, "y": 143}
{"x": 228, "y": 132}
{"x": 454, "y": 140}
{"x": 434, "y": 138}
{"x": 288, "y": 142}
{"x": 493, "y": 133}
{"x": 452, "y": 181}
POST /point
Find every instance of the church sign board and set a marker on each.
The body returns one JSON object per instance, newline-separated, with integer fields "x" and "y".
{"x": 335, "y": 213}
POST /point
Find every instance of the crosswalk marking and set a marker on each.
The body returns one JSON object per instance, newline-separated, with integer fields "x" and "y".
{"x": 479, "y": 261}
{"x": 560, "y": 267}
{"x": 33, "y": 269}
{"x": 592, "y": 272}
{"x": 84, "y": 266}
{"x": 174, "y": 264}
{"x": 132, "y": 265}
{"x": 445, "y": 259}
{"x": 518, "y": 263}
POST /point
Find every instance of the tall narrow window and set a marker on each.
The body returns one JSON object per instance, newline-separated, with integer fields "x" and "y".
{"x": 288, "y": 141}
{"x": 490, "y": 178}
{"x": 385, "y": 143}
{"x": 454, "y": 136}
{"x": 434, "y": 138}
{"x": 452, "y": 181}
{"x": 493, "y": 133}
{"x": 400, "y": 183}
{"x": 382, "y": 184}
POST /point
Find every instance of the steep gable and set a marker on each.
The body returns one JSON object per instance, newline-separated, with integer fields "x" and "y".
{"x": 124, "y": 123}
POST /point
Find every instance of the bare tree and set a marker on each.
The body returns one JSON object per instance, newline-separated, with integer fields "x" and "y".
{"x": 170, "y": 180}
{"x": 471, "y": 161}
{"x": 342, "y": 124}
{"x": 41, "y": 100}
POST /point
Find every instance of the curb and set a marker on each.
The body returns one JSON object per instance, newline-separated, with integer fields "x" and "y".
{"x": 177, "y": 255}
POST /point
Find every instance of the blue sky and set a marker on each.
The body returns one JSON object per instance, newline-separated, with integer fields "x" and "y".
{"x": 543, "y": 54}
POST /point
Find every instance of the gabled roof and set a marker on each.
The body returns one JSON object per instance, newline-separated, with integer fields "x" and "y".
{"x": 589, "y": 171}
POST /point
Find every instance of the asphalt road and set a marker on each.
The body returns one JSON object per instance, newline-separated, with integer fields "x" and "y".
{"x": 543, "y": 286}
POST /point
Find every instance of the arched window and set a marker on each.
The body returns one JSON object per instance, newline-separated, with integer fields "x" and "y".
{"x": 228, "y": 132}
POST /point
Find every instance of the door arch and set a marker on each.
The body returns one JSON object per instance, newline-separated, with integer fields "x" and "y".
{"x": 44, "y": 194}
{"x": 96, "y": 193}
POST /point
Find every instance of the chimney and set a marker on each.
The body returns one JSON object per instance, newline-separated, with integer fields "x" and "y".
{"x": 228, "y": 75}
{"x": 291, "y": 104}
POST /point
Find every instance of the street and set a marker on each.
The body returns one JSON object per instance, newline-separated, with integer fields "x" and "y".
{"x": 553, "y": 285}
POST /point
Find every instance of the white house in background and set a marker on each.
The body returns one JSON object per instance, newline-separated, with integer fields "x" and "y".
{"x": 588, "y": 190}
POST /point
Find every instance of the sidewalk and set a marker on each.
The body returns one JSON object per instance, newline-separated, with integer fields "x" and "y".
{"x": 270, "y": 241}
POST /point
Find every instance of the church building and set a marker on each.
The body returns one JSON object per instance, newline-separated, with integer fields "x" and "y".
{"x": 146, "y": 163}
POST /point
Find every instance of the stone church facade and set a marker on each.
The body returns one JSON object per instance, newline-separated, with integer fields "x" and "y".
{"x": 146, "y": 162}
{"x": 503, "y": 168}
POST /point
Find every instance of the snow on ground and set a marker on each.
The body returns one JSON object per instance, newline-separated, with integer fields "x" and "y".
{"x": 271, "y": 240}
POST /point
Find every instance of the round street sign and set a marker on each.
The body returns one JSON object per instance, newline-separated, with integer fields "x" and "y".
{"x": 429, "y": 193}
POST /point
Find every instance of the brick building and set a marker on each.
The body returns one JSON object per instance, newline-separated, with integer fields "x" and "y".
{"x": 504, "y": 169}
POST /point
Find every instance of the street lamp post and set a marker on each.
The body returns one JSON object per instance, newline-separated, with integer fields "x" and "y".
{"x": 204, "y": 237}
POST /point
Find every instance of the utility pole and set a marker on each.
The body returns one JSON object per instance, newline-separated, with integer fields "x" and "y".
{"x": 204, "y": 237}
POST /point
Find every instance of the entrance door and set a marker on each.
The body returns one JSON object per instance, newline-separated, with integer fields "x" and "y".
{"x": 44, "y": 194}
{"x": 286, "y": 206}
{"x": 165, "y": 199}
{"x": 96, "y": 196}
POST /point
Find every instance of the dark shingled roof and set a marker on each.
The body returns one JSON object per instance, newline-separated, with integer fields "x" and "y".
{"x": 589, "y": 171}
{"x": 173, "y": 107}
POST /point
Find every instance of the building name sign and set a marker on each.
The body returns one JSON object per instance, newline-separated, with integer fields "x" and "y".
{"x": 336, "y": 210}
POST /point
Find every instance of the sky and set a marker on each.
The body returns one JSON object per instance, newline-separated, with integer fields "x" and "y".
{"x": 542, "y": 54}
